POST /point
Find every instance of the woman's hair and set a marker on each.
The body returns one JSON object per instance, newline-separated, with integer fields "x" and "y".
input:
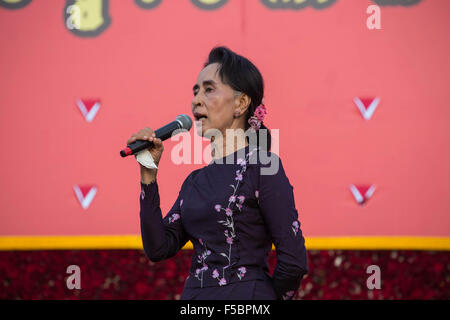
{"x": 242, "y": 76}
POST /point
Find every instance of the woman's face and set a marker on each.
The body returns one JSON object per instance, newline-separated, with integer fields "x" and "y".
{"x": 214, "y": 104}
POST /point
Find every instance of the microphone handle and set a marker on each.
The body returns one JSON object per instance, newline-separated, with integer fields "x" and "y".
{"x": 162, "y": 133}
{"x": 166, "y": 131}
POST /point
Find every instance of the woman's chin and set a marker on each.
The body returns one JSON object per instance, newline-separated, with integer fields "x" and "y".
{"x": 202, "y": 129}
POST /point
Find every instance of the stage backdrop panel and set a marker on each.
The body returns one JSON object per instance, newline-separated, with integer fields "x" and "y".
{"x": 362, "y": 113}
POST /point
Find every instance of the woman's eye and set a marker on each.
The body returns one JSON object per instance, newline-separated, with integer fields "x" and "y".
{"x": 206, "y": 90}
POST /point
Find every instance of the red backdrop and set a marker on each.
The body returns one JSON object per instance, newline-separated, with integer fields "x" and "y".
{"x": 141, "y": 66}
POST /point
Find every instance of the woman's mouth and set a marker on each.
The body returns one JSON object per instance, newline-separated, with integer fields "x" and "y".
{"x": 199, "y": 116}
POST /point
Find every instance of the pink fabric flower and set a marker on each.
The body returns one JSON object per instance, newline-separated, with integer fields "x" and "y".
{"x": 254, "y": 123}
{"x": 260, "y": 112}
{"x": 258, "y": 117}
{"x": 217, "y": 207}
{"x": 257, "y": 193}
{"x": 215, "y": 274}
{"x": 228, "y": 212}
{"x": 232, "y": 198}
{"x": 229, "y": 240}
{"x": 241, "y": 199}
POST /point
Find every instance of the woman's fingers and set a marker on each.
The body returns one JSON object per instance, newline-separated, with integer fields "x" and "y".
{"x": 144, "y": 134}
{"x": 147, "y": 134}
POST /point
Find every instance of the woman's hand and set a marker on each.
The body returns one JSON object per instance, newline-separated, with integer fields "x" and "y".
{"x": 156, "y": 150}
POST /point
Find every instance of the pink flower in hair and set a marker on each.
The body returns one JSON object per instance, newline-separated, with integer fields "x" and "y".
{"x": 258, "y": 117}
{"x": 254, "y": 123}
{"x": 260, "y": 112}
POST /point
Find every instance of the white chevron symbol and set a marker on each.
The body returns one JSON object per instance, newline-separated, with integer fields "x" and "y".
{"x": 85, "y": 200}
{"x": 366, "y": 113}
{"x": 88, "y": 115}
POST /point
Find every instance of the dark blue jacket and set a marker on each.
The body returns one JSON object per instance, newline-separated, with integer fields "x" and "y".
{"x": 232, "y": 211}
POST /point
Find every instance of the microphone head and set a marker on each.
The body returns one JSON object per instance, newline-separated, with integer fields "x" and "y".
{"x": 186, "y": 121}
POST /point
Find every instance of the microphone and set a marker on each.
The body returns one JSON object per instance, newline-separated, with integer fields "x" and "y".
{"x": 183, "y": 121}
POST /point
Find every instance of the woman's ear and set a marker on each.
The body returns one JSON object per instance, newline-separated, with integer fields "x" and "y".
{"x": 242, "y": 103}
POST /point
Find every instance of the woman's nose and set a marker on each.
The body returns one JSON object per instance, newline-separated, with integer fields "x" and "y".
{"x": 196, "y": 101}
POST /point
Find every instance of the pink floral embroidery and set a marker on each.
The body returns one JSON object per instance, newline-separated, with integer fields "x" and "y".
{"x": 241, "y": 273}
{"x": 174, "y": 217}
{"x": 201, "y": 259}
{"x": 295, "y": 226}
{"x": 215, "y": 274}
{"x": 229, "y": 212}
{"x": 142, "y": 194}
{"x": 230, "y": 233}
{"x": 288, "y": 295}
{"x": 181, "y": 202}
{"x": 241, "y": 200}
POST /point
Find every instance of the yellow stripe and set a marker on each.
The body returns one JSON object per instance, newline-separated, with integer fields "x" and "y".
{"x": 378, "y": 243}
{"x": 135, "y": 242}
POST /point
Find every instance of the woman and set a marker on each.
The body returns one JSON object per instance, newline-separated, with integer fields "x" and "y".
{"x": 229, "y": 210}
